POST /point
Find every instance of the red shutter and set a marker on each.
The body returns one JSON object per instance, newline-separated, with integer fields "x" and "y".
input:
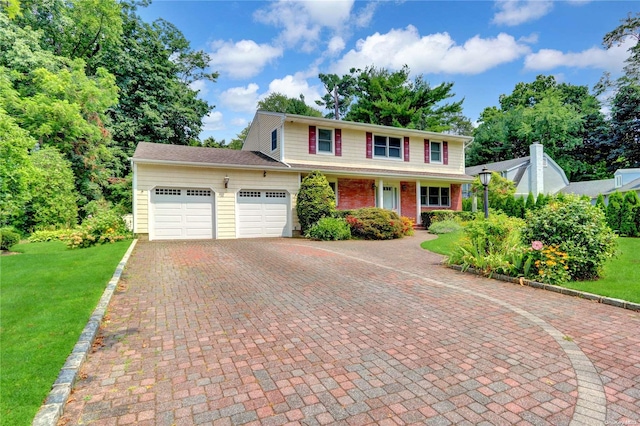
{"x": 406, "y": 148}
{"x": 369, "y": 145}
{"x": 338, "y": 141}
{"x": 312, "y": 139}
{"x": 445, "y": 153}
{"x": 427, "y": 148}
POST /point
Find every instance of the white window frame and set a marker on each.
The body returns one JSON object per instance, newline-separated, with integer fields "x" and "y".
{"x": 331, "y": 142}
{"x": 386, "y": 148}
{"x": 427, "y": 190}
{"x": 440, "y": 161}
{"x": 618, "y": 181}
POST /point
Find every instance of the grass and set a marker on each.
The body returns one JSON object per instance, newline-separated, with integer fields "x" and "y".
{"x": 48, "y": 294}
{"x": 619, "y": 278}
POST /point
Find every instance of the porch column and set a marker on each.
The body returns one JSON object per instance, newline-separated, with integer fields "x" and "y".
{"x": 380, "y": 193}
{"x": 418, "y": 209}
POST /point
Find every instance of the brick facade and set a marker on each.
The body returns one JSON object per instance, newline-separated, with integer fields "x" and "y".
{"x": 408, "y": 199}
{"x": 356, "y": 193}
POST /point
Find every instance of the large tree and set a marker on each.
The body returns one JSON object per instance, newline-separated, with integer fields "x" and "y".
{"x": 277, "y": 102}
{"x": 562, "y": 117}
{"x": 379, "y": 96}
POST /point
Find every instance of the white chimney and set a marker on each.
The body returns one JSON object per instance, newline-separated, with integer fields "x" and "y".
{"x": 536, "y": 175}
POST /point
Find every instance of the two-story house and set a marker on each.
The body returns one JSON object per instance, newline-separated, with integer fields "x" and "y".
{"x": 182, "y": 192}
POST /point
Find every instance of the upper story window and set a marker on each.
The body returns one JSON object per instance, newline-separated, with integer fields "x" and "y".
{"x": 388, "y": 147}
{"x": 618, "y": 181}
{"x": 325, "y": 141}
{"x": 436, "y": 152}
{"x": 274, "y": 139}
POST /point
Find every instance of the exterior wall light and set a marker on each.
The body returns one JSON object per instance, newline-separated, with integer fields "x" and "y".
{"x": 226, "y": 182}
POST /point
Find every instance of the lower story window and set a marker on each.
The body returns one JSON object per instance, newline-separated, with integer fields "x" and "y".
{"x": 434, "y": 196}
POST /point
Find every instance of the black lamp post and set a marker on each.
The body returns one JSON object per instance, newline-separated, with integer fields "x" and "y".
{"x": 485, "y": 178}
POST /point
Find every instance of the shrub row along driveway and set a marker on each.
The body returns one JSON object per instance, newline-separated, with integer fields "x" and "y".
{"x": 292, "y": 331}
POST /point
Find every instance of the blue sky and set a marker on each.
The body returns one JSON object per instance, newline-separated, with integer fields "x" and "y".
{"x": 484, "y": 47}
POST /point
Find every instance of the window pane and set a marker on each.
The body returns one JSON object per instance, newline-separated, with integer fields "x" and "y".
{"x": 436, "y": 154}
{"x": 434, "y": 196}
{"x": 394, "y": 142}
{"x": 380, "y": 151}
{"x": 274, "y": 139}
{"x": 423, "y": 195}
{"x": 380, "y": 146}
{"x": 324, "y": 140}
{"x": 394, "y": 152}
{"x": 444, "y": 196}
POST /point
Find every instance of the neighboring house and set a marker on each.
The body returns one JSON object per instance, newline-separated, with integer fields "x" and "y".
{"x": 182, "y": 192}
{"x": 537, "y": 173}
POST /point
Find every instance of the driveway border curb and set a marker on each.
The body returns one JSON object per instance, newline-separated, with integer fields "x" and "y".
{"x": 619, "y": 303}
{"x": 51, "y": 411}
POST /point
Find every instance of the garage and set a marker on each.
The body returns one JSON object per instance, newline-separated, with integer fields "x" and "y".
{"x": 263, "y": 213}
{"x": 181, "y": 214}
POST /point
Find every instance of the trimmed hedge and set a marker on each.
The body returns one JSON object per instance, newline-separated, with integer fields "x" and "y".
{"x": 431, "y": 217}
{"x": 8, "y": 238}
{"x": 374, "y": 223}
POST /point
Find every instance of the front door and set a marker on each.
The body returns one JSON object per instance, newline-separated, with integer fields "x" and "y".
{"x": 390, "y": 198}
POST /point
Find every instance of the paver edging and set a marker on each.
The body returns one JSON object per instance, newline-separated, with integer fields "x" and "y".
{"x": 52, "y": 409}
{"x": 555, "y": 288}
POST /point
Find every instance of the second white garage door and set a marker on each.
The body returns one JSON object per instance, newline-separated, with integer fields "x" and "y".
{"x": 263, "y": 213}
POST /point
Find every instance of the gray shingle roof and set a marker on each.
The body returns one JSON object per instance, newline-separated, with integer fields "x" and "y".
{"x": 634, "y": 185}
{"x": 146, "y": 151}
{"x": 499, "y": 166}
{"x": 590, "y": 188}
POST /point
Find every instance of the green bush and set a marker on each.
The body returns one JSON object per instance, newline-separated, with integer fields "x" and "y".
{"x": 374, "y": 223}
{"x": 48, "y": 235}
{"x": 315, "y": 200}
{"x": 445, "y": 227}
{"x": 628, "y": 225}
{"x": 576, "y": 228}
{"x": 439, "y": 215}
{"x": 8, "y": 238}
{"x": 330, "y": 228}
{"x": 105, "y": 225}
{"x": 614, "y": 210}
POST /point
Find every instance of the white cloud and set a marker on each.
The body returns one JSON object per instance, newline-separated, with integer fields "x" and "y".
{"x": 434, "y": 53}
{"x": 293, "y": 86}
{"x": 242, "y": 59}
{"x": 213, "y": 121}
{"x": 335, "y": 45}
{"x": 516, "y": 12}
{"x": 239, "y": 122}
{"x": 242, "y": 99}
{"x": 303, "y": 21}
{"x": 595, "y": 57}
{"x": 199, "y": 86}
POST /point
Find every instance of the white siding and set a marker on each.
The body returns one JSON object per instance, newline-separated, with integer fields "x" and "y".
{"x": 259, "y": 137}
{"x": 354, "y": 151}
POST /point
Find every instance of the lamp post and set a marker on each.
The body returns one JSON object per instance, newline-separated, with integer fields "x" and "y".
{"x": 485, "y": 178}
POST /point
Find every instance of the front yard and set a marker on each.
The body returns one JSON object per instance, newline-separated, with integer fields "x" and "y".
{"x": 48, "y": 294}
{"x": 619, "y": 279}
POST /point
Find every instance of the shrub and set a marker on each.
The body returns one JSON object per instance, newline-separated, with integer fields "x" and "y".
{"x": 576, "y": 228}
{"x": 550, "y": 263}
{"x": 600, "y": 203}
{"x": 8, "y": 238}
{"x": 530, "y": 204}
{"x": 407, "y": 225}
{"x": 444, "y": 227}
{"x": 48, "y": 235}
{"x": 374, "y": 223}
{"x": 628, "y": 224}
{"x": 315, "y": 200}
{"x": 439, "y": 215}
{"x": 105, "y": 226}
{"x": 330, "y": 228}
{"x": 614, "y": 210}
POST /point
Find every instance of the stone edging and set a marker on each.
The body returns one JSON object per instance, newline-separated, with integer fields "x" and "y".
{"x": 558, "y": 289}
{"x": 52, "y": 409}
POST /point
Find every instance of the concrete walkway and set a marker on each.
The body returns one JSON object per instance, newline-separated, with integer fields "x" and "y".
{"x": 289, "y": 331}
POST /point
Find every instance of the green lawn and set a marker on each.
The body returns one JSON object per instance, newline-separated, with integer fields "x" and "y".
{"x": 619, "y": 279}
{"x": 48, "y": 294}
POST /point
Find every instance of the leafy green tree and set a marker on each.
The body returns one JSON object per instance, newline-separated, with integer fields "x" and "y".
{"x": 238, "y": 141}
{"x": 340, "y": 90}
{"x": 315, "y": 200}
{"x": 562, "y": 117}
{"x": 614, "y": 210}
{"x": 628, "y": 224}
{"x": 211, "y": 142}
{"x": 500, "y": 190}
{"x": 277, "y": 102}
{"x": 15, "y": 168}
{"x": 53, "y": 195}
{"x": 624, "y": 140}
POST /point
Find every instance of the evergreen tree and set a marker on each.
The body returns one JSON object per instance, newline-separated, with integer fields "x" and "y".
{"x": 614, "y": 209}
{"x": 600, "y": 202}
{"x": 531, "y": 202}
{"x": 628, "y": 224}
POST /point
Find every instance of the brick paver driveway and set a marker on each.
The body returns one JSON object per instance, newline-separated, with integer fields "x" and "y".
{"x": 289, "y": 331}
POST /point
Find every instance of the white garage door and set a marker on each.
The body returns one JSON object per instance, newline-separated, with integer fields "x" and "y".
{"x": 263, "y": 214}
{"x": 181, "y": 214}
